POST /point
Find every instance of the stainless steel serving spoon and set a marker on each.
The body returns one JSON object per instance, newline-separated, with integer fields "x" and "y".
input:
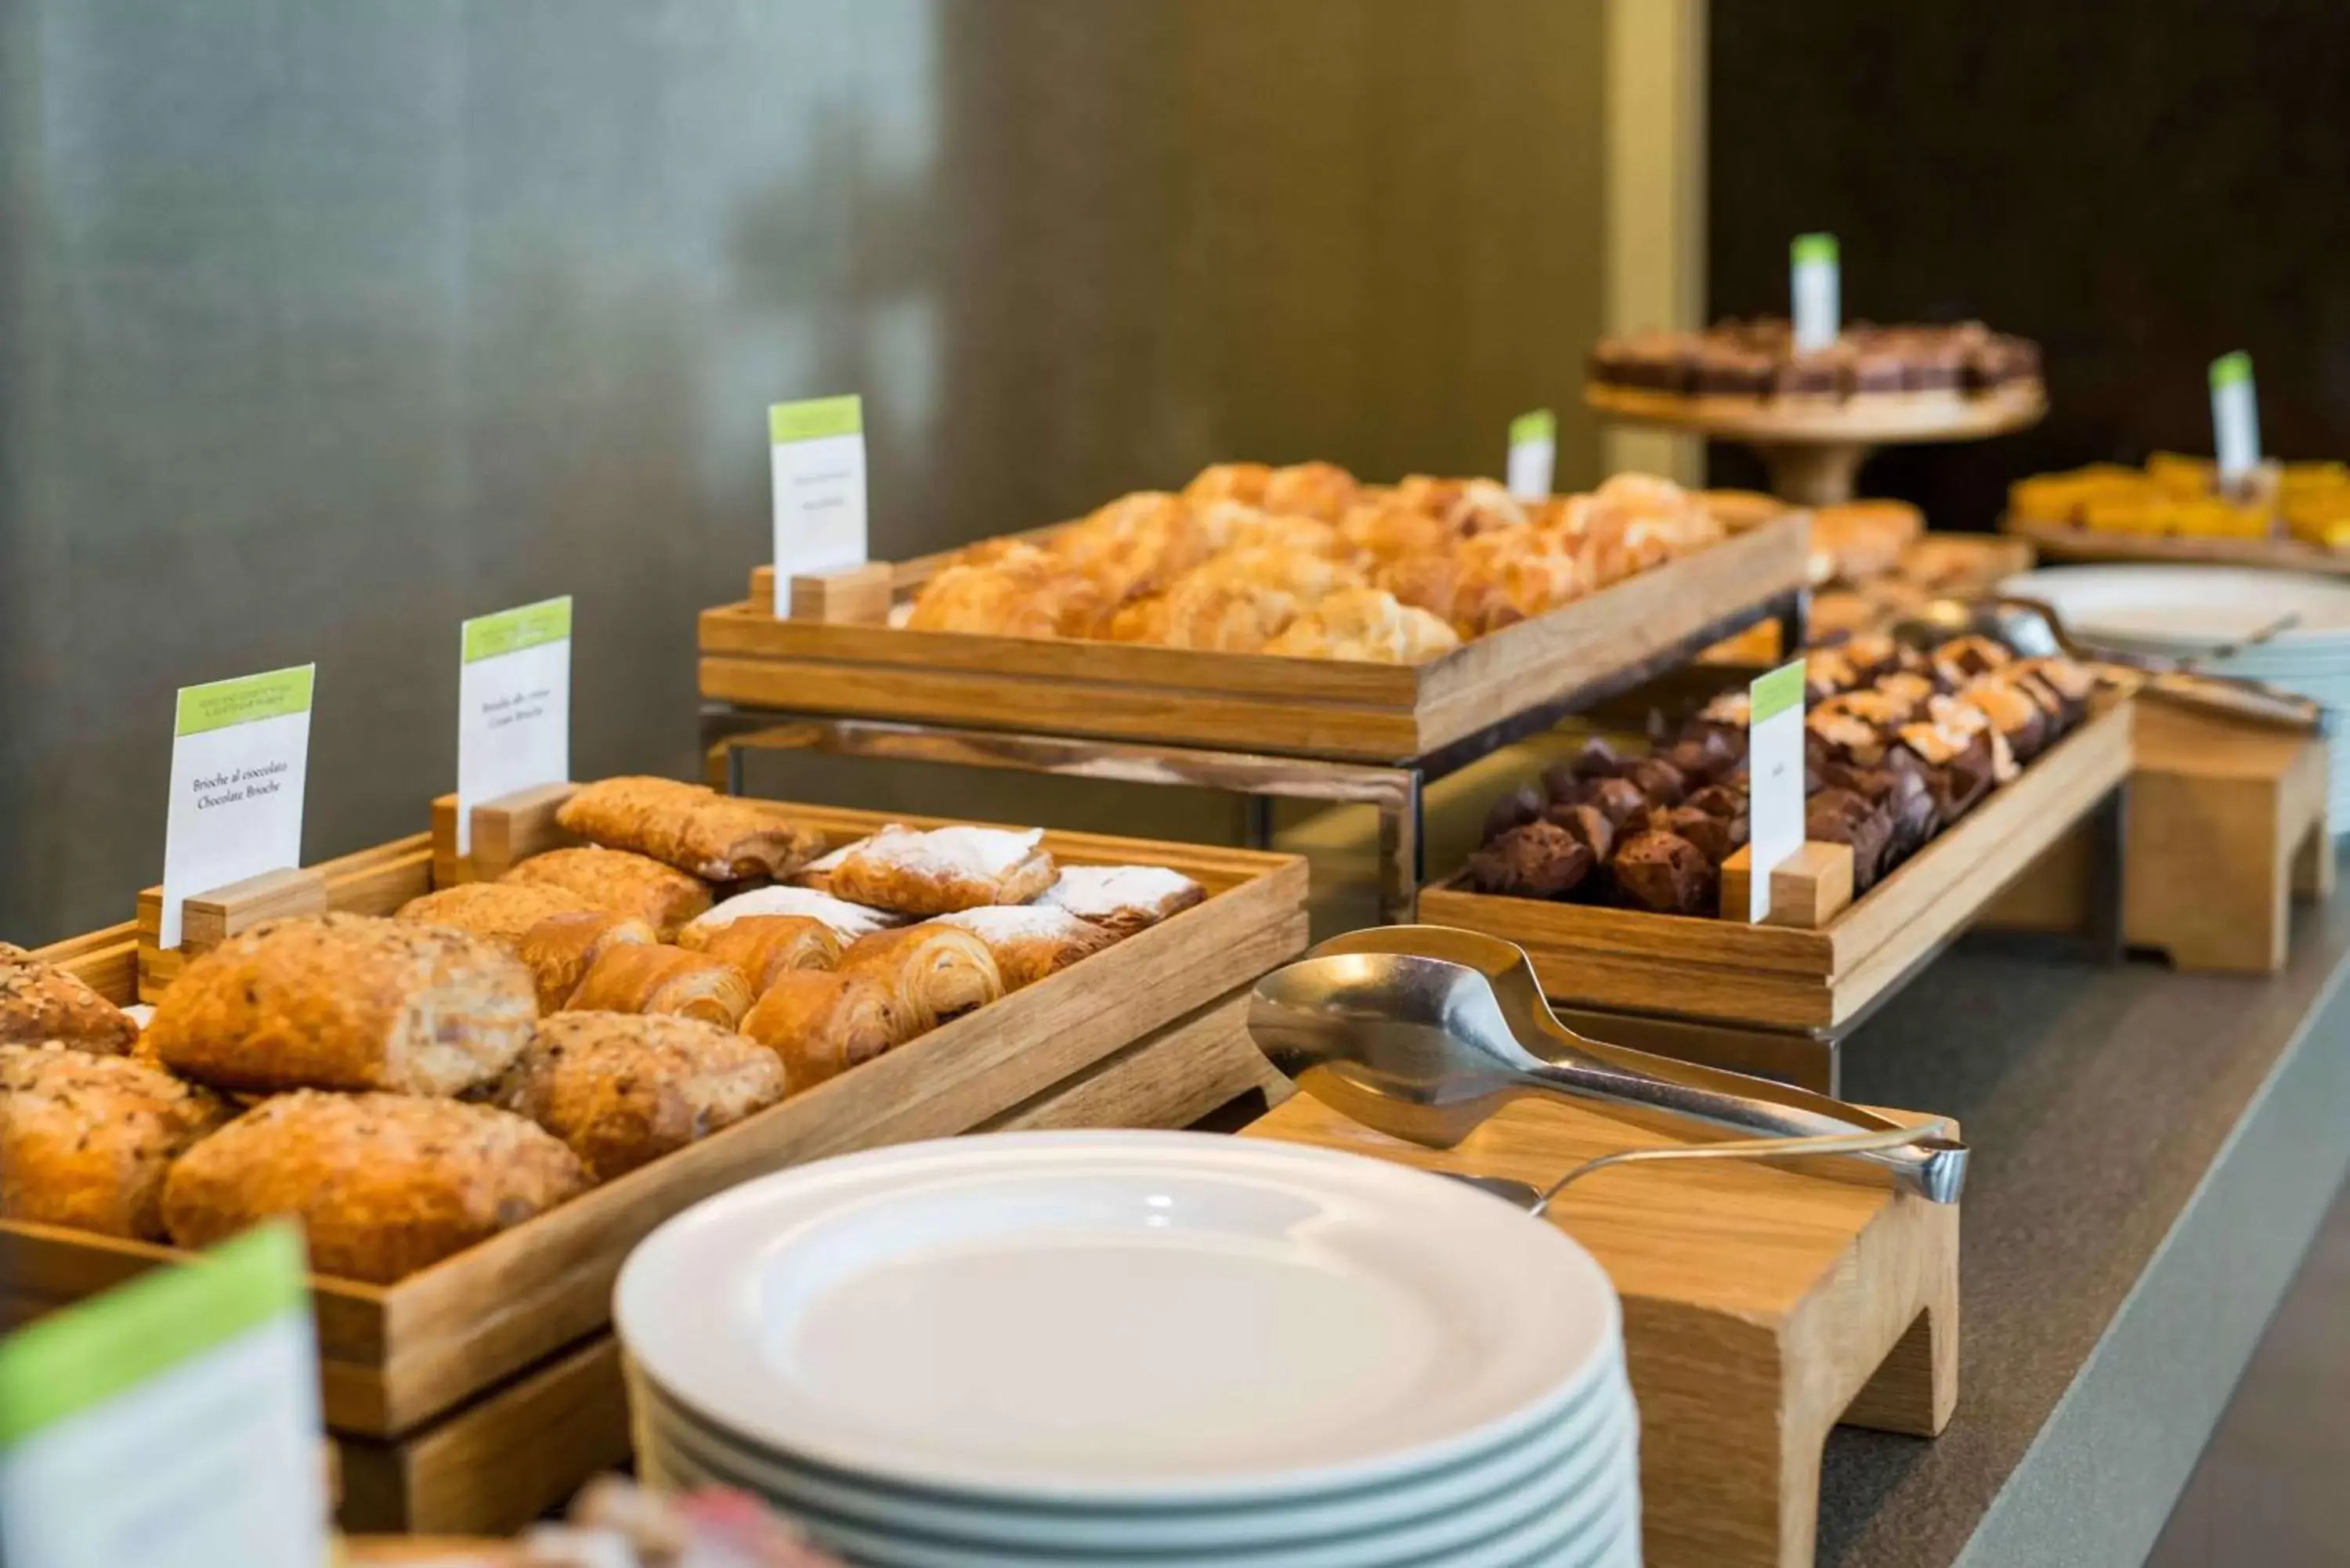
{"x": 2034, "y": 629}
{"x": 1425, "y": 1031}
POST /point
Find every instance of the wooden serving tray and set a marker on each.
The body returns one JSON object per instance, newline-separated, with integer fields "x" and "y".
{"x": 1780, "y": 977}
{"x": 1762, "y": 1305}
{"x": 1091, "y": 1040}
{"x": 2059, "y": 542}
{"x": 1255, "y": 702}
{"x": 1876, "y": 418}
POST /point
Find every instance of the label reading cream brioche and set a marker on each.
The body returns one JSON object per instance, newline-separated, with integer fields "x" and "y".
{"x": 514, "y": 706}
{"x": 818, "y": 448}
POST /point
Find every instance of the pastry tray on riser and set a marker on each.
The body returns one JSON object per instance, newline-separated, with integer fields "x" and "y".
{"x": 1256, "y": 702}
{"x": 1778, "y": 977}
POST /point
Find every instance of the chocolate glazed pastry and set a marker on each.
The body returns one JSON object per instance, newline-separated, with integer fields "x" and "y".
{"x": 1540, "y": 860}
{"x": 1665, "y": 873}
{"x": 1842, "y": 817}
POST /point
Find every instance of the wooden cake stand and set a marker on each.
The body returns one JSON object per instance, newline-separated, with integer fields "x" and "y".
{"x": 1814, "y": 450}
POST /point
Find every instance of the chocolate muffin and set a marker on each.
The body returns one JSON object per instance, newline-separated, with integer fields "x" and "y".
{"x": 1716, "y": 837}
{"x": 1515, "y": 809}
{"x": 1658, "y": 779}
{"x": 1663, "y": 874}
{"x": 1620, "y": 801}
{"x": 1539, "y": 860}
{"x": 1719, "y": 800}
{"x": 1590, "y": 827}
{"x": 1842, "y": 817}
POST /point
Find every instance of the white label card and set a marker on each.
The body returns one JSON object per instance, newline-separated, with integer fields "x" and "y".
{"x": 1775, "y": 778}
{"x": 172, "y": 1423}
{"x": 514, "y": 706}
{"x": 819, "y": 474}
{"x": 1816, "y": 285}
{"x": 2235, "y": 419}
{"x": 1533, "y": 454}
{"x": 240, "y": 757}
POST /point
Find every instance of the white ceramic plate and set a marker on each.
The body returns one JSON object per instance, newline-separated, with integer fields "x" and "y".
{"x": 1373, "y": 1528}
{"x": 1141, "y": 1317}
{"x": 2189, "y": 606}
{"x": 1585, "y": 1528}
{"x": 1602, "y": 1418}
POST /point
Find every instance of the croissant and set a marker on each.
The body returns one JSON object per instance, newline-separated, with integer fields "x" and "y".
{"x": 1388, "y": 531}
{"x": 1226, "y": 617}
{"x": 1367, "y": 624}
{"x": 934, "y": 972}
{"x": 659, "y": 979}
{"x": 691, "y": 827}
{"x": 1321, "y": 490}
{"x": 561, "y": 948}
{"x": 986, "y": 600}
{"x": 1242, "y": 481}
{"x": 822, "y": 1025}
{"x": 764, "y": 947}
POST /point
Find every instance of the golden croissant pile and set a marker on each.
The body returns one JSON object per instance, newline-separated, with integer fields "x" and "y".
{"x": 1306, "y": 561}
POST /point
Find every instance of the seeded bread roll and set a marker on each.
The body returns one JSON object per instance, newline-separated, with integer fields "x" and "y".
{"x": 384, "y": 1184}
{"x": 39, "y": 1001}
{"x": 624, "y": 883}
{"x": 622, "y": 1090}
{"x": 86, "y": 1140}
{"x": 695, "y": 829}
{"x": 501, "y": 912}
{"x": 347, "y": 1002}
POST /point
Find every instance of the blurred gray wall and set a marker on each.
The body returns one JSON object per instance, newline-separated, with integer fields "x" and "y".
{"x": 324, "y": 326}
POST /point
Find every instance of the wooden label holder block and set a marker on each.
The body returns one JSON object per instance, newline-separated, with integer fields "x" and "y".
{"x": 372, "y": 882}
{"x": 1762, "y": 1305}
{"x": 506, "y": 831}
{"x": 859, "y": 596}
{"x": 1808, "y": 888}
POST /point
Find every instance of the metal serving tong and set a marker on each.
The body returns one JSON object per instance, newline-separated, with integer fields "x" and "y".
{"x": 2034, "y": 629}
{"x": 1424, "y": 1032}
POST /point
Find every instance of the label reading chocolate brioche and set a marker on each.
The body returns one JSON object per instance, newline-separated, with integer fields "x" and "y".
{"x": 239, "y": 755}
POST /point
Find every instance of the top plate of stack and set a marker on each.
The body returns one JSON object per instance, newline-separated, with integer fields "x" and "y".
{"x": 2187, "y": 612}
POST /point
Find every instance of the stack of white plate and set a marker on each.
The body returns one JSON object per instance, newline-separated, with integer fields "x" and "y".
{"x": 1161, "y": 1347}
{"x": 2185, "y": 612}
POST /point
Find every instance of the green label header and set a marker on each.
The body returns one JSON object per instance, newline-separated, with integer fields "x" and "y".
{"x": 1773, "y": 694}
{"x": 1819, "y": 249}
{"x": 245, "y": 700}
{"x": 511, "y": 631}
{"x": 815, "y": 418}
{"x": 2231, "y": 370}
{"x": 1539, "y": 425}
{"x": 88, "y": 1353}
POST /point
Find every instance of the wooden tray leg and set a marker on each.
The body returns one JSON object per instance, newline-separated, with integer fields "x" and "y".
{"x": 1732, "y": 1427}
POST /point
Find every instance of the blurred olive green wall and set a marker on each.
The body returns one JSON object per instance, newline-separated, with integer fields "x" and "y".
{"x": 325, "y": 326}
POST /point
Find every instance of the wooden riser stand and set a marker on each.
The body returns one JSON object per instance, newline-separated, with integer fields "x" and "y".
{"x": 1762, "y": 1305}
{"x": 2227, "y": 831}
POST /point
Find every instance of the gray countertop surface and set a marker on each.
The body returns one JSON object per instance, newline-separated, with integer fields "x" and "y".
{"x": 2153, "y": 1153}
